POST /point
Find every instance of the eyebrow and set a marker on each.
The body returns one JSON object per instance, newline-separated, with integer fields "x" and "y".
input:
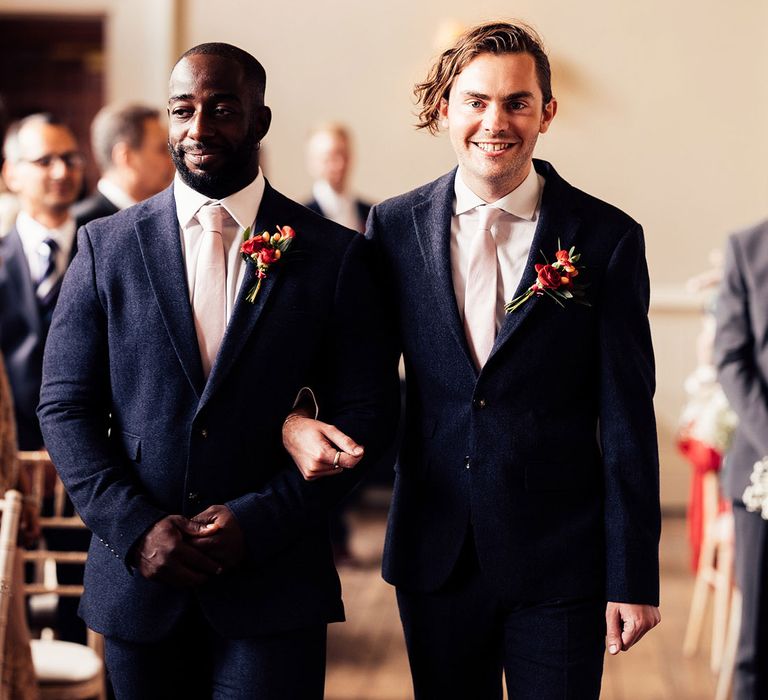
{"x": 508, "y": 98}
{"x": 216, "y": 96}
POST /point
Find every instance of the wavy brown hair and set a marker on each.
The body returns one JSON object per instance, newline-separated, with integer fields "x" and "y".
{"x": 491, "y": 37}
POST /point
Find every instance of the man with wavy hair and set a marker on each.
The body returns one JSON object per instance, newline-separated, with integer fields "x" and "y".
{"x": 524, "y": 527}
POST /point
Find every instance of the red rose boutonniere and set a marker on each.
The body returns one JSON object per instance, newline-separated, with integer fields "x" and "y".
{"x": 264, "y": 250}
{"x": 556, "y": 280}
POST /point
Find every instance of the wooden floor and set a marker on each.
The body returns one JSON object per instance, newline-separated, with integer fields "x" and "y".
{"x": 366, "y": 655}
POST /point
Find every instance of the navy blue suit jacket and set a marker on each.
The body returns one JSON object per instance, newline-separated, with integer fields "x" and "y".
{"x": 136, "y": 433}
{"x": 549, "y": 453}
{"x": 23, "y": 331}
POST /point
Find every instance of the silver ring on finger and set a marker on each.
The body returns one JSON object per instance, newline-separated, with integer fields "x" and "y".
{"x": 336, "y": 459}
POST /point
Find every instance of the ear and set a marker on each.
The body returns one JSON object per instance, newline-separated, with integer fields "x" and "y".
{"x": 443, "y": 110}
{"x": 9, "y": 176}
{"x": 263, "y": 120}
{"x": 121, "y": 154}
{"x": 547, "y": 115}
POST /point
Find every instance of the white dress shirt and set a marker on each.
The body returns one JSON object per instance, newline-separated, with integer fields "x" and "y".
{"x": 513, "y": 233}
{"x": 340, "y": 208}
{"x": 117, "y": 195}
{"x": 33, "y": 233}
{"x": 242, "y": 207}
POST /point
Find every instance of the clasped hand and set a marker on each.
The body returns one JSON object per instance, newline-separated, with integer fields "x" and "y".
{"x": 183, "y": 552}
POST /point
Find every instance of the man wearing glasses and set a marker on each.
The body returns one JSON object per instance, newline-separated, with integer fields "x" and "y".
{"x": 44, "y": 169}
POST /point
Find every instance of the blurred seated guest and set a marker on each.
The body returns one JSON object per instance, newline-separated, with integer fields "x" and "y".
{"x": 329, "y": 161}
{"x": 18, "y": 679}
{"x": 44, "y": 168}
{"x": 130, "y": 144}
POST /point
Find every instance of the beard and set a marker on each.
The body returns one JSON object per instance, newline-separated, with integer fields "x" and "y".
{"x": 232, "y": 175}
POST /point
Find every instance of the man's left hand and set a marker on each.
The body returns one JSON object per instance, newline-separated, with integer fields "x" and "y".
{"x": 223, "y": 540}
{"x": 626, "y": 623}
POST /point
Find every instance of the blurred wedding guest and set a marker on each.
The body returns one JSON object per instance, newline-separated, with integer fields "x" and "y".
{"x": 18, "y": 673}
{"x": 130, "y": 144}
{"x": 329, "y": 161}
{"x": 741, "y": 356}
{"x": 44, "y": 168}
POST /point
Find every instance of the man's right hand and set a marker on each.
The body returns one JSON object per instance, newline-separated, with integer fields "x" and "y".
{"x": 317, "y": 448}
{"x": 164, "y": 555}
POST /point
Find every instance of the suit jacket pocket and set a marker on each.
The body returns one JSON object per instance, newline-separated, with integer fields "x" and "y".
{"x": 131, "y": 445}
{"x": 560, "y": 475}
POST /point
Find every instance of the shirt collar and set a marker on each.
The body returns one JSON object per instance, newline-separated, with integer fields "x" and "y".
{"x": 327, "y": 197}
{"x": 115, "y": 194}
{"x": 242, "y": 206}
{"x": 522, "y": 202}
{"x": 33, "y": 233}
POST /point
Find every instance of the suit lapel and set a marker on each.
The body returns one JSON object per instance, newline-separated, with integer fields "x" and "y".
{"x": 244, "y": 314}
{"x": 556, "y": 230}
{"x": 19, "y": 277}
{"x": 160, "y": 243}
{"x": 432, "y": 223}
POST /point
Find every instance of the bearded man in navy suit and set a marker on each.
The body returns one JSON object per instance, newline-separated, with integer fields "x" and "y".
{"x": 210, "y": 573}
{"x": 523, "y": 532}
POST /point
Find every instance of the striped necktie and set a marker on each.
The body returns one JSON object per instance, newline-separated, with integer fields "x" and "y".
{"x": 48, "y": 283}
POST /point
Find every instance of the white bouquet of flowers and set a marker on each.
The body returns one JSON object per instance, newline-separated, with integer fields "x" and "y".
{"x": 756, "y": 494}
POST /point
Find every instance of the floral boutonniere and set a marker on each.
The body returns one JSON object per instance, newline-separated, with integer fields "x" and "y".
{"x": 556, "y": 280}
{"x": 263, "y": 250}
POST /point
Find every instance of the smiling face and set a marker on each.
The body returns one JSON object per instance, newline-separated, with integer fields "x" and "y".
{"x": 494, "y": 114}
{"x": 215, "y": 124}
{"x": 48, "y": 173}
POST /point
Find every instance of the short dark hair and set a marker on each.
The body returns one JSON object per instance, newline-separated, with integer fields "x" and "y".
{"x": 118, "y": 124}
{"x": 11, "y": 144}
{"x": 253, "y": 70}
{"x": 491, "y": 37}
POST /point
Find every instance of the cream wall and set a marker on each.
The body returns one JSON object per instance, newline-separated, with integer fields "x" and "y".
{"x": 663, "y": 108}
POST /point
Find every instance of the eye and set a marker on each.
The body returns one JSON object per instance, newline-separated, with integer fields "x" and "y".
{"x": 516, "y": 106}
{"x": 181, "y": 112}
{"x": 475, "y": 104}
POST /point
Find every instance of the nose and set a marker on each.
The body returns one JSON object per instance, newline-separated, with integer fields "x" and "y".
{"x": 58, "y": 168}
{"x": 199, "y": 126}
{"x": 494, "y": 118}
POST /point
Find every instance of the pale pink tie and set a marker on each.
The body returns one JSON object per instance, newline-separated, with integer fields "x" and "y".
{"x": 209, "y": 300}
{"x": 480, "y": 291}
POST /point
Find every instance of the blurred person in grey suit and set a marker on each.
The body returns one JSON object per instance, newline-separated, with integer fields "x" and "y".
{"x": 741, "y": 355}
{"x": 130, "y": 144}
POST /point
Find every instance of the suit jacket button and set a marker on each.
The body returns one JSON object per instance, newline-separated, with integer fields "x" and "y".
{"x": 204, "y": 433}
{"x": 480, "y": 403}
{"x": 193, "y": 497}
{"x": 466, "y": 462}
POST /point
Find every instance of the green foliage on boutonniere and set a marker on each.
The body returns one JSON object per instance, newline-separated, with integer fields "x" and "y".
{"x": 555, "y": 280}
{"x": 264, "y": 250}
